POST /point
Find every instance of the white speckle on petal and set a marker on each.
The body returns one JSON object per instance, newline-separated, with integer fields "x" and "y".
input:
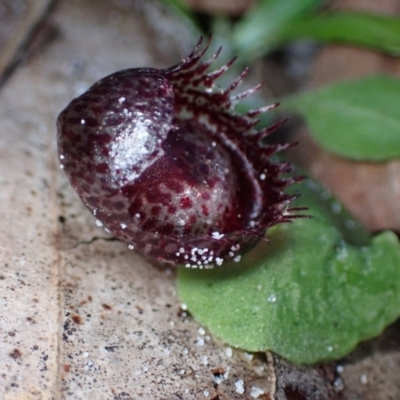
{"x": 219, "y": 261}
{"x": 217, "y": 235}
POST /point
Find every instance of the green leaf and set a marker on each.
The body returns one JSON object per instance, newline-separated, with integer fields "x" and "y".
{"x": 359, "y": 119}
{"x": 308, "y": 295}
{"x": 263, "y": 24}
{"x": 376, "y": 31}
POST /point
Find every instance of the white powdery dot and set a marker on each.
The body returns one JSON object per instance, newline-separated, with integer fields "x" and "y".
{"x": 99, "y": 223}
{"x": 121, "y": 100}
{"x": 201, "y": 331}
{"x": 123, "y": 226}
{"x": 259, "y": 370}
{"x": 200, "y": 341}
{"x": 62, "y": 157}
{"x": 262, "y": 177}
{"x": 183, "y": 307}
{"x": 237, "y": 258}
{"x": 256, "y": 392}
{"x": 217, "y": 235}
{"x": 239, "y": 386}
{"x": 218, "y": 379}
{"x": 83, "y": 122}
{"x": 228, "y": 351}
{"x": 226, "y": 374}
{"x": 272, "y": 298}
{"x": 130, "y": 247}
{"x": 61, "y": 166}
{"x": 219, "y": 261}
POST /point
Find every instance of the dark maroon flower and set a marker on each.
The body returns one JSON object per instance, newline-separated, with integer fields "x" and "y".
{"x": 162, "y": 159}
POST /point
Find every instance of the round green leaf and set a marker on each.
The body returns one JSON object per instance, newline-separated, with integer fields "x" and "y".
{"x": 308, "y": 295}
{"x": 359, "y": 119}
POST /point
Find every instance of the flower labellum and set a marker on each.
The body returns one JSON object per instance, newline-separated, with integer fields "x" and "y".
{"x": 164, "y": 162}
